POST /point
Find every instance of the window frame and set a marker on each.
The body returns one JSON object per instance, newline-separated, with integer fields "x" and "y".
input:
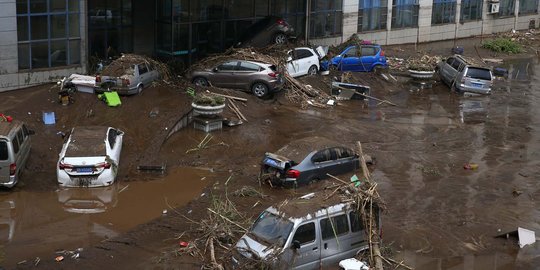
{"x": 334, "y": 225}
{"x": 314, "y": 233}
{"x": 523, "y": 10}
{"x": 443, "y": 12}
{"x": 333, "y": 10}
{"x": 375, "y": 8}
{"x": 467, "y": 8}
{"x": 399, "y": 8}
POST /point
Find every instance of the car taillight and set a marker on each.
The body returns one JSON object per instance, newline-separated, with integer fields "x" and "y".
{"x": 382, "y": 52}
{"x": 293, "y": 174}
{"x": 282, "y": 22}
{"x": 98, "y": 78}
{"x": 63, "y": 166}
{"x": 12, "y": 168}
{"x": 125, "y": 82}
{"x": 104, "y": 165}
{"x": 273, "y": 74}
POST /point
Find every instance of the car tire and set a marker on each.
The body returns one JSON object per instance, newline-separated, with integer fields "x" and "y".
{"x": 280, "y": 39}
{"x": 260, "y": 89}
{"x": 139, "y": 89}
{"x": 377, "y": 69}
{"x": 200, "y": 81}
{"x": 312, "y": 70}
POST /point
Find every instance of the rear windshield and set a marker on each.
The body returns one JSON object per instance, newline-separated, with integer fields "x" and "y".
{"x": 3, "y": 150}
{"x": 479, "y": 73}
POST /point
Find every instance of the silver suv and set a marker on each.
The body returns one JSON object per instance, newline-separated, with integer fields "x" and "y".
{"x": 464, "y": 76}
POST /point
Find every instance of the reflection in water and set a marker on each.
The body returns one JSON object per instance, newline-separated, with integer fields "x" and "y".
{"x": 38, "y": 223}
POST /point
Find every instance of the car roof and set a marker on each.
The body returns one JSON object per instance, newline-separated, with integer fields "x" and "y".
{"x": 297, "y": 150}
{"x": 7, "y": 127}
{"x": 253, "y": 62}
{"x": 87, "y": 141}
{"x": 311, "y": 205}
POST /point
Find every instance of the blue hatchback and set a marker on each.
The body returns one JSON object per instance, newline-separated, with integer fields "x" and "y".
{"x": 354, "y": 58}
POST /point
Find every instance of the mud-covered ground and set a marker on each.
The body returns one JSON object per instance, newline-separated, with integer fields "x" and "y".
{"x": 440, "y": 216}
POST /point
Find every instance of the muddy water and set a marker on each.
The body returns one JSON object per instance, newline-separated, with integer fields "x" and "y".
{"x": 38, "y": 223}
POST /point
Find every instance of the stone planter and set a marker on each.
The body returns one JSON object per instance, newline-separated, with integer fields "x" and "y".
{"x": 417, "y": 74}
{"x": 207, "y": 110}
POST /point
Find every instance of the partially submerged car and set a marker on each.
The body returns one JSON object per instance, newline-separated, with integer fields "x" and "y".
{"x": 304, "y": 61}
{"x": 315, "y": 231}
{"x": 308, "y": 160}
{"x": 90, "y": 157}
{"x": 259, "y": 78}
{"x": 366, "y": 57}
{"x": 463, "y": 75}
{"x": 126, "y": 76}
{"x": 267, "y": 31}
{"x": 15, "y": 146}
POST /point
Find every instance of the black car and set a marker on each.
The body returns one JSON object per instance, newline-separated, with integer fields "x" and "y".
{"x": 267, "y": 31}
{"x": 308, "y": 160}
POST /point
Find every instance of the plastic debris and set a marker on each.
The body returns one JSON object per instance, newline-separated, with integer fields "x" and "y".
{"x": 470, "y": 166}
{"x": 184, "y": 244}
{"x": 59, "y": 258}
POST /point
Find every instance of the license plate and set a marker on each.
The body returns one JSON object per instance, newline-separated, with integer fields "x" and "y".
{"x": 477, "y": 84}
{"x": 84, "y": 170}
{"x": 271, "y": 162}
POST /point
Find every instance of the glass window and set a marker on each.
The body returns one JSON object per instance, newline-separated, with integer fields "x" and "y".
{"x": 142, "y": 69}
{"x": 450, "y": 61}
{"x": 58, "y": 26}
{"x": 271, "y": 228}
{"x": 74, "y": 28}
{"x": 73, "y": 5}
{"x": 443, "y": 11}
{"x": 239, "y": 8}
{"x": 205, "y": 10}
{"x": 246, "y": 66}
{"x": 322, "y": 156}
{"x": 20, "y": 136}
{"x": 22, "y": 6}
{"x": 38, "y": 6}
{"x": 528, "y": 6}
{"x": 372, "y": 15}
{"x": 57, "y": 5}
{"x": 368, "y": 51}
{"x": 24, "y": 56}
{"x": 58, "y": 53}
{"x": 478, "y": 73}
{"x": 228, "y": 66}
{"x": 506, "y": 7}
{"x": 3, "y": 150}
{"x": 334, "y": 226}
{"x": 325, "y": 18}
{"x": 303, "y": 53}
{"x": 305, "y": 233}
{"x": 261, "y": 8}
{"x": 38, "y": 27}
{"x": 455, "y": 64}
{"x": 352, "y": 52}
{"x": 22, "y": 28}
{"x": 356, "y": 221}
{"x": 471, "y": 10}
{"x": 25, "y": 131}
{"x": 40, "y": 54}
{"x": 113, "y": 134}
{"x": 74, "y": 52}
{"x": 344, "y": 152}
{"x": 404, "y": 13}
{"x": 15, "y": 143}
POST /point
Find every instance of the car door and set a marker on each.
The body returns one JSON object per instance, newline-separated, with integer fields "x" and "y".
{"x": 335, "y": 239}
{"x": 292, "y": 64}
{"x": 446, "y": 70}
{"x": 308, "y": 256}
{"x": 367, "y": 57}
{"x": 223, "y": 74}
{"x": 143, "y": 73}
{"x": 350, "y": 59}
{"x": 324, "y": 162}
{"x": 305, "y": 60}
{"x": 246, "y": 74}
{"x": 346, "y": 160}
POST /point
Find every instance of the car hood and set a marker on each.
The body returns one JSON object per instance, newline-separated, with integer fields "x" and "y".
{"x": 249, "y": 247}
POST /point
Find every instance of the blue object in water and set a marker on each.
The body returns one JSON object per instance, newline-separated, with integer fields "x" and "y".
{"x": 48, "y": 118}
{"x": 457, "y": 50}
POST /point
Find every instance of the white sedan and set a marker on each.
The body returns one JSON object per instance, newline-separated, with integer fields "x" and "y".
{"x": 304, "y": 61}
{"x": 89, "y": 157}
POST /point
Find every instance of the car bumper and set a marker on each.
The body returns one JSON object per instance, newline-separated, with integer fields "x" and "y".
{"x": 105, "y": 178}
{"x": 11, "y": 183}
{"x": 472, "y": 89}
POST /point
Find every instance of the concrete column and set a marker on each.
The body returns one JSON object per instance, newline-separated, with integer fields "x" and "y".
{"x": 458, "y": 17}
{"x": 8, "y": 38}
{"x": 516, "y": 11}
{"x": 388, "y": 20}
{"x": 424, "y": 20}
{"x": 83, "y": 18}
{"x": 350, "y": 18}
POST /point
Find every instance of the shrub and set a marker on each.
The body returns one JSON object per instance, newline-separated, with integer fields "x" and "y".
{"x": 503, "y": 45}
{"x": 208, "y": 100}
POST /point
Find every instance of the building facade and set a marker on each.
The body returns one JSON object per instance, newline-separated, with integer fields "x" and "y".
{"x": 43, "y": 40}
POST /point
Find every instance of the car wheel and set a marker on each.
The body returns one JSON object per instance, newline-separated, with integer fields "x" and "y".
{"x": 259, "y": 89}
{"x": 200, "y": 81}
{"x": 377, "y": 69}
{"x": 312, "y": 70}
{"x": 139, "y": 89}
{"x": 280, "y": 39}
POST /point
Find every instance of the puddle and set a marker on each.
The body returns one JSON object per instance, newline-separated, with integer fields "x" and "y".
{"x": 38, "y": 223}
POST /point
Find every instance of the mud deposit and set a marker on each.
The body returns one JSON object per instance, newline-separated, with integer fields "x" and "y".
{"x": 440, "y": 215}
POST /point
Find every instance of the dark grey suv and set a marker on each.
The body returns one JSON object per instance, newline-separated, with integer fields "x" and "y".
{"x": 267, "y": 31}
{"x": 308, "y": 160}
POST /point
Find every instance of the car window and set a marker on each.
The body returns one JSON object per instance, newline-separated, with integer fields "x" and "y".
{"x": 3, "y": 150}
{"x": 20, "y": 136}
{"x": 142, "y": 69}
{"x": 25, "y": 131}
{"x": 456, "y": 64}
{"x": 461, "y": 67}
{"x": 342, "y": 152}
{"x": 15, "y": 144}
{"x": 303, "y": 53}
{"x": 351, "y": 52}
{"x": 478, "y": 73}
{"x": 112, "y": 137}
{"x": 369, "y": 51}
{"x": 305, "y": 233}
{"x": 334, "y": 226}
{"x": 322, "y": 156}
{"x": 228, "y": 66}
{"x": 449, "y": 61}
{"x": 356, "y": 221}
{"x": 246, "y": 66}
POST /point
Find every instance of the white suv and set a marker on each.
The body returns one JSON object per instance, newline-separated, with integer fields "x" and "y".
{"x": 304, "y": 61}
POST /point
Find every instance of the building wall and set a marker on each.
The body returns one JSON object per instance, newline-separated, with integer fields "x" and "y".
{"x": 10, "y": 77}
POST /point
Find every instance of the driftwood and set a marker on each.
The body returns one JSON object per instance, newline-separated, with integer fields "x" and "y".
{"x": 237, "y": 111}
{"x": 227, "y": 96}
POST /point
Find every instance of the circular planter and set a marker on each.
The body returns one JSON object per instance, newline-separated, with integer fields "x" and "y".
{"x": 417, "y": 74}
{"x": 207, "y": 110}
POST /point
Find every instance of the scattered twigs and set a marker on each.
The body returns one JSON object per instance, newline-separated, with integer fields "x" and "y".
{"x": 247, "y": 191}
{"x": 374, "y": 98}
{"x": 227, "y": 96}
{"x": 202, "y": 145}
{"x": 236, "y": 110}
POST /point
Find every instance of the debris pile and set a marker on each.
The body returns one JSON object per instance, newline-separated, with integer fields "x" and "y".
{"x": 419, "y": 63}
{"x": 529, "y": 37}
{"x": 124, "y": 63}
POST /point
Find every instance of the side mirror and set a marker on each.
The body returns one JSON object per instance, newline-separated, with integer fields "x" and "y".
{"x": 295, "y": 244}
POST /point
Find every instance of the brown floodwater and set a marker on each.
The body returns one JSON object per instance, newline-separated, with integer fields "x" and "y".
{"x": 32, "y": 224}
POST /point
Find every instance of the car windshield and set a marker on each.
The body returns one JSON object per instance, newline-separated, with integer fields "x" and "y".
{"x": 3, "y": 150}
{"x": 479, "y": 73}
{"x": 272, "y": 229}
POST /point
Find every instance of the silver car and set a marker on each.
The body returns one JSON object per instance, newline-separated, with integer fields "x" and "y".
{"x": 464, "y": 76}
{"x": 129, "y": 79}
{"x": 259, "y": 78}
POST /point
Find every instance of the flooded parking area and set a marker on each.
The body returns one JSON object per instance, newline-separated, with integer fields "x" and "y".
{"x": 35, "y": 224}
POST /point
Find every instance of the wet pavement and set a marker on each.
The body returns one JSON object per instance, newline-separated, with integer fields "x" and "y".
{"x": 33, "y": 224}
